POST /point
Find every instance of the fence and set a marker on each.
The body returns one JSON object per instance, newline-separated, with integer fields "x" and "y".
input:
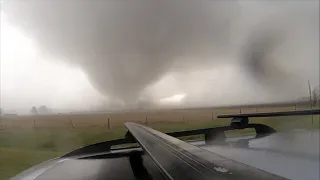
{"x": 108, "y": 121}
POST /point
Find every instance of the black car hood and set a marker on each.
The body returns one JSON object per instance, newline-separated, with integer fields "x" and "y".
{"x": 291, "y": 155}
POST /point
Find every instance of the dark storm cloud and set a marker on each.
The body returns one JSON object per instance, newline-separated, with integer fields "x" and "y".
{"x": 126, "y": 45}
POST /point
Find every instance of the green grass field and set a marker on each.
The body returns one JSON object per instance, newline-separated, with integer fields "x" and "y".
{"x": 23, "y": 148}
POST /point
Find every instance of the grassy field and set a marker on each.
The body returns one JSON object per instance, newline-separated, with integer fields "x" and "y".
{"x": 22, "y": 146}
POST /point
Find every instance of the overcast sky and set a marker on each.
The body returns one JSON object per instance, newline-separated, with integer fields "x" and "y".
{"x": 87, "y": 55}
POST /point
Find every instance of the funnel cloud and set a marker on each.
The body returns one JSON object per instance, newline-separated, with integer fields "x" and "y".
{"x": 126, "y": 47}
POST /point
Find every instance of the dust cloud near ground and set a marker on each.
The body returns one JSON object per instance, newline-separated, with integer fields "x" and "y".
{"x": 215, "y": 52}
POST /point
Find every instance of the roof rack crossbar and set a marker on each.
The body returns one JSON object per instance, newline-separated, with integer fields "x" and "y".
{"x": 273, "y": 114}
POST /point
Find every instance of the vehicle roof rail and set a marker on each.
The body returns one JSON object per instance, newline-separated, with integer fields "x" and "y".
{"x": 177, "y": 159}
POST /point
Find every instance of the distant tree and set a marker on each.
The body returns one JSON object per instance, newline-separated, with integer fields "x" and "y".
{"x": 44, "y": 110}
{"x": 33, "y": 110}
{"x": 315, "y": 96}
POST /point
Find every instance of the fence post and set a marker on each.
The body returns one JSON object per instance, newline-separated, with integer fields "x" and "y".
{"x": 146, "y": 120}
{"x": 108, "y": 123}
{"x": 240, "y": 110}
{"x": 34, "y": 124}
{"x": 1, "y": 123}
{"x": 212, "y": 116}
{"x": 71, "y": 124}
{"x": 295, "y": 107}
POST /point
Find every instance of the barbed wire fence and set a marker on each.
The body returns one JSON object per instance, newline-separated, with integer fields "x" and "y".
{"x": 182, "y": 117}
